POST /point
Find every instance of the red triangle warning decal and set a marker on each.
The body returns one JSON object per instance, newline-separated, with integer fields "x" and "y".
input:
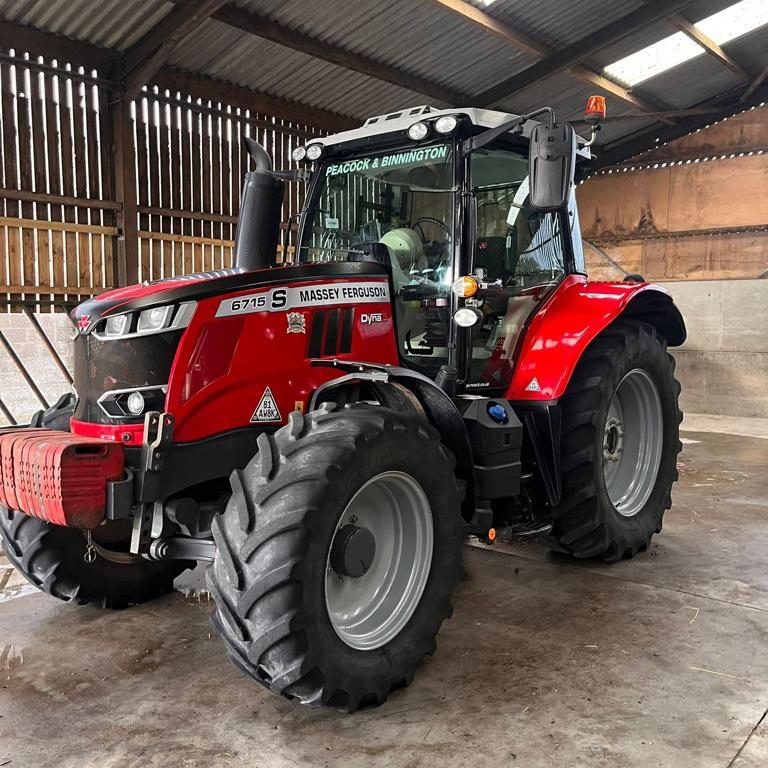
{"x": 267, "y": 409}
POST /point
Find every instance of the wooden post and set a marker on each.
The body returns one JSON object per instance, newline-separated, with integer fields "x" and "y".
{"x": 124, "y": 182}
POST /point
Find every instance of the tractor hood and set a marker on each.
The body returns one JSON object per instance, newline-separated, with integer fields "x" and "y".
{"x": 205, "y": 284}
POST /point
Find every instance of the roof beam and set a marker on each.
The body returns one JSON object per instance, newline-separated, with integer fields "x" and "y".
{"x": 525, "y": 43}
{"x": 145, "y": 57}
{"x": 709, "y": 45}
{"x": 582, "y": 49}
{"x": 495, "y": 27}
{"x": 24, "y": 38}
{"x": 725, "y": 106}
{"x": 754, "y": 85}
{"x": 261, "y": 26}
{"x": 200, "y": 86}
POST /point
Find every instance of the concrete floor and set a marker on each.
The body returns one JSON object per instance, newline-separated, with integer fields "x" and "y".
{"x": 656, "y": 662}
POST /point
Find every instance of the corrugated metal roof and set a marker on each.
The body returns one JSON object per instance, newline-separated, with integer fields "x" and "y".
{"x": 109, "y": 23}
{"x": 422, "y": 39}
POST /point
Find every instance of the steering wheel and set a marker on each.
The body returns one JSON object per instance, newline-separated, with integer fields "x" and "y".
{"x": 416, "y": 227}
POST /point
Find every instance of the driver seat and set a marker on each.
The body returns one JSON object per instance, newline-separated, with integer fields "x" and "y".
{"x": 404, "y": 247}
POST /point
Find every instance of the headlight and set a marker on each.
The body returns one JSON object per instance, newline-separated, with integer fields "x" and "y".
{"x": 314, "y": 151}
{"x": 169, "y": 317}
{"x": 130, "y": 403}
{"x": 466, "y": 317}
{"x": 446, "y": 123}
{"x": 135, "y": 403}
{"x": 418, "y": 131}
{"x": 116, "y": 325}
{"x": 154, "y": 319}
{"x": 299, "y": 154}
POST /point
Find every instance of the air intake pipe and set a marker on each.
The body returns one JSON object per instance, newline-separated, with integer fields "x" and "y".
{"x": 261, "y": 202}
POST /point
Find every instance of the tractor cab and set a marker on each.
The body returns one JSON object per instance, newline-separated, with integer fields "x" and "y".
{"x": 436, "y": 196}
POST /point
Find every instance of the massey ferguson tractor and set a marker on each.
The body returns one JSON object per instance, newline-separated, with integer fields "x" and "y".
{"x": 326, "y": 433}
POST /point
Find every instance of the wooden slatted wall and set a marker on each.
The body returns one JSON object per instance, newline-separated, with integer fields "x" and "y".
{"x": 56, "y": 225}
{"x": 57, "y": 212}
{"x": 191, "y": 162}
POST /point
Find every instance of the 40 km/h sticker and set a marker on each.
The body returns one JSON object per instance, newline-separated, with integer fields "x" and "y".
{"x": 281, "y": 299}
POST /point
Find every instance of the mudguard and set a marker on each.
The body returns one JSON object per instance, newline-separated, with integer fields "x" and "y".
{"x": 573, "y": 315}
{"x": 403, "y": 388}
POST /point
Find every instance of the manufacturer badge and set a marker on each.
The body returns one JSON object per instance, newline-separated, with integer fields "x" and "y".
{"x": 297, "y": 323}
{"x": 83, "y": 323}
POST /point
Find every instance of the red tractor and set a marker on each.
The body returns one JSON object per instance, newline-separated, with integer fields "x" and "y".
{"x": 435, "y": 364}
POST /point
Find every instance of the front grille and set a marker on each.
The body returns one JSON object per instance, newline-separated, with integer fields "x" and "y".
{"x": 101, "y": 366}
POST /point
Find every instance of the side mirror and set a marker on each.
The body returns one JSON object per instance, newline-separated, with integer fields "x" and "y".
{"x": 551, "y": 163}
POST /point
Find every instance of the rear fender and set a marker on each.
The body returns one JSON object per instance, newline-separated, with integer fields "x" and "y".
{"x": 570, "y": 319}
{"x": 404, "y": 389}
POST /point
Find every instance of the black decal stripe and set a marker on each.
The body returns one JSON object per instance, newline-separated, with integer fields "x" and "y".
{"x": 316, "y": 333}
{"x": 99, "y": 307}
{"x": 332, "y": 333}
{"x": 345, "y": 345}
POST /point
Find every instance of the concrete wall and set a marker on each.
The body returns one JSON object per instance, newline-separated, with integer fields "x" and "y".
{"x": 723, "y": 365}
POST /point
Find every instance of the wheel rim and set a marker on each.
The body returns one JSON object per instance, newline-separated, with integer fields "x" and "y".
{"x": 369, "y": 611}
{"x": 632, "y": 442}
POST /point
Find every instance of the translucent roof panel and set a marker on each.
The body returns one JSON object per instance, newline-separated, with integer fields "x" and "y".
{"x": 673, "y": 50}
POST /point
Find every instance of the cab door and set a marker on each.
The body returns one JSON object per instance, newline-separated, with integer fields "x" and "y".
{"x": 517, "y": 251}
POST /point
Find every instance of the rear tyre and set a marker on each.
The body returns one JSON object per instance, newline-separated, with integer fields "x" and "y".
{"x": 337, "y": 555}
{"x": 52, "y": 558}
{"x": 620, "y": 442}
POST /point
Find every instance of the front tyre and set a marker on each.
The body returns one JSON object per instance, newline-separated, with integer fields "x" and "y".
{"x": 337, "y": 555}
{"x": 52, "y": 558}
{"x": 620, "y": 442}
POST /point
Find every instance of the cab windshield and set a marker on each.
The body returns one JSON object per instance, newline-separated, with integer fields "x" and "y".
{"x": 402, "y": 199}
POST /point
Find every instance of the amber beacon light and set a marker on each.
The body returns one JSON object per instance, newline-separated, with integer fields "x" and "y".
{"x": 595, "y": 111}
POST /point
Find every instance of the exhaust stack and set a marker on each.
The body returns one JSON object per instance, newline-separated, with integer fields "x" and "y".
{"x": 258, "y": 226}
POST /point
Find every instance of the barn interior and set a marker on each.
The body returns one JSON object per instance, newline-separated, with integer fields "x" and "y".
{"x": 122, "y": 157}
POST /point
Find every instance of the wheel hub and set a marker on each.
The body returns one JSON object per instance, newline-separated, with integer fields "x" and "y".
{"x": 352, "y": 551}
{"x": 613, "y": 440}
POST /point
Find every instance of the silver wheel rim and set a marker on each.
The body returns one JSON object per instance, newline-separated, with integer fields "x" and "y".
{"x": 369, "y": 611}
{"x": 632, "y": 442}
